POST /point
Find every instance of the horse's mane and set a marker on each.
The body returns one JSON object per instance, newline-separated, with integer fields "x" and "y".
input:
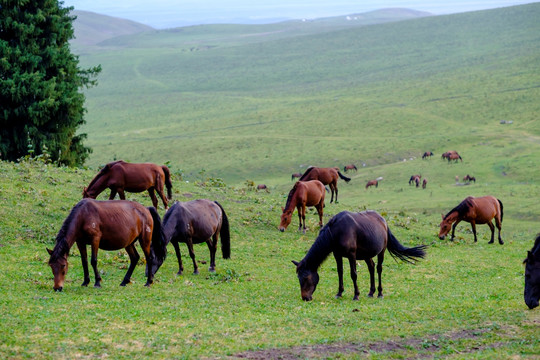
{"x": 103, "y": 171}
{"x": 307, "y": 172}
{"x": 291, "y": 193}
{"x": 463, "y": 208}
{"x": 62, "y": 245}
{"x": 321, "y": 248}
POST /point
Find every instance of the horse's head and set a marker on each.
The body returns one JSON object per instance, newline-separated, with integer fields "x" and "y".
{"x": 286, "y": 217}
{"x": 445, "y": 227}
{"x": 532, "y": 280}
{"x": 59, "y": 266}
{"x": 308, "y": 280}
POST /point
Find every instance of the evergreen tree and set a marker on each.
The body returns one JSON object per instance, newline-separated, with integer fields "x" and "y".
{"x": 41, "y": 82}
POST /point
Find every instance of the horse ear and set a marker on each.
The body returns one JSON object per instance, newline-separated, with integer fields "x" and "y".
{"x": 295, "y": 262}
{"x": 442, "y": 216}
{"x": 530, "y": 257}
{"x": 49, "y": 251}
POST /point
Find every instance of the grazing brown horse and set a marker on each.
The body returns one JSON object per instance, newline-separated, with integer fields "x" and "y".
{"x": 355, "y": 236}
{"x": 480, "y": 210}
{"x": 415, "y": 179}
{"x": 262, "y": 187}
{"x": 469, "y": 178}
{"x": 108, "y": 225}
{"x": 350, "y": 167}
{"x": 452, "y": 155}
{"x": 328, "y": 176}
{"x": 120, "y": 176}
{"x": 532, "y": 275}
{"x": 196, "y": 222}
{"x": 427, "y": 154}
{"x": 372, "y": 183}
{"x": 424, "y": 183}
{"x": 296, "y": 175}
{"x": 303, "y": 193}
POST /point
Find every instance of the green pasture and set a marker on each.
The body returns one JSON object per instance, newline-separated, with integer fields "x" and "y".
{"x": 226, "y": 111}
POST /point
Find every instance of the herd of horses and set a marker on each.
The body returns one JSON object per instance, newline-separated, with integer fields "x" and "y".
{"x": 115, "y": 225}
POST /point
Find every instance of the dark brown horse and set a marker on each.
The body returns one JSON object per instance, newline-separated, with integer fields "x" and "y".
{"x": 480, "y": 210}
{"x": 355, "y": 236}
{"x": 372, "y": 183}
{"x": 296, "y": 175}
{"x": 262, "y": 187}
{"x": 424, "y": 183}
{"x": 303, "y": 193}
{"x": 120, "y": 176}
{"x": 349, "y": 167}
{"x": 328, "y": 176}
{"x": 532, "y": 275}
{"x": 427, "y": 154}
{"x": 469, "y": 178}
{"x": 108, "y": 225}
{"x": 415, "y": 179}
{"x": 195, "y": 222}
{"x": 452, "y": 155}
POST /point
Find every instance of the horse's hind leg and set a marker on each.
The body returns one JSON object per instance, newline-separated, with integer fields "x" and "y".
{"x": 93, "y": 262}
{"x": 352, "y": 263}
{"x": 499, "y": 225}
{"x": 84, "y": 260}
{"x": 371, "y": 268}
{"x": 178, "y": 256}
{"x": 492, "y": 228}
{"x": 189, "y": 243}
{"x": 212, "y": 246}
{"x": 133, "y": 260}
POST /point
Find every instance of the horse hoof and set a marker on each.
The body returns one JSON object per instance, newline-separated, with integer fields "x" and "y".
{"x": 380, "y": 296}
{"x": 212, "y": 270}
{"x": 179, "y": 273}
{"x": 355, "y": 298}
{"x": 196, "y": 272}
{"x": 501, "y": 242}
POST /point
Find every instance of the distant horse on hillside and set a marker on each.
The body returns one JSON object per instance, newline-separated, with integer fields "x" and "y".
{"x": 296, "y": 175}
{"x": 303, "y": 193}
{"x": 196, "y": 222}
{"x": 427, "y": 154}
{"x": 262, "y": 187}
{"x": 424, "y": 183}
{"x": 415, "y": 179}
{"x": 451, "y": 155}
{"x": 355, "y": 236}
{"x": 480, "y": 210}
{"x": 469, "y": 178}
{"x": 372, "y": 183}
{"x": 120, "y": 176}
{"x": 328, "y": 176}
{"x": 532, "y": 275}
{"x": 108, "y": 225}
{"x": 349, "y": 167}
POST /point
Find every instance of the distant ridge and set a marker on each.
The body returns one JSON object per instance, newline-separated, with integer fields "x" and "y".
{"x": 92, "y": 28}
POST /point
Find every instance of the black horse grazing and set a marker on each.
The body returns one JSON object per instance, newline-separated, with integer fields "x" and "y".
{"x": 195, "y": 222}
{"x": 356, "y": 236}
{"x": 532, "y": 275}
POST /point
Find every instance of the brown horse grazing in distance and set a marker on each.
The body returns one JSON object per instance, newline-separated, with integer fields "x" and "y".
{"x": 452, "y": 155}
{"x": 195, "y": 222}
{"x": 262, "y": 187}
{"x": 372, "y": 183}
{"x": 350, "y": 167}
{"x": 108, "y": 225}
{"x": 427, "y": 154}
{"x": 355, "y": 236}
{"x": 469, "y": 178}
{"x": 328, "y": 176}
{"x": 532, "y": 275}
{"x": 415, "y": 179}
{"x": 303, "y": 193}
{"x": 120, "y": 176}
{"x": 480, "y": 210}
{"x": 296, "y": 175}
{"x": 424, "y": 183}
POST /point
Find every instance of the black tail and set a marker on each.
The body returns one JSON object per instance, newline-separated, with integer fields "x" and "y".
{"x": 501, "y": 205}
{"x": 343, "y": 177}
{"x": 225, "y": 234}
{"x": 168, "y": 183}
{"x": 158, "y": 248}
{"x": 403, "y": 253}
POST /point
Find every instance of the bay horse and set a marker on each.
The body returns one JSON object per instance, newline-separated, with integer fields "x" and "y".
{"x": 355, "y": 236}
{"x": 372, "y": 183}
{"x": 415, "y": 179}
{"x": 532, "y": 275}
{"x": 349, "y": 167}
{"x": 108, "y": 225}
{"x": 296, "y": 175}
{"x": 479, "y": 210}
{"x": 427, "y": 154}
{"x": 196, "y": 222}
{"x": 303, "y": 193}
{"x": 469, "y": 178}
{"x": 452, "y": 155}
{"x": 328, "y": 176}
{"x": 262, "y": 187}
{"x": 424, "y": 183}
{"x": 120, "y": 176}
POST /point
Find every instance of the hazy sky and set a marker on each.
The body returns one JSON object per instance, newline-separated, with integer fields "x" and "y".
{"x": 173, "y": 13}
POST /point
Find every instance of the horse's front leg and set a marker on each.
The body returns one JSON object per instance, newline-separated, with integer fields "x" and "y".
{"x": 133, "y": 260}
{"x": 299, "y": 210}
{"x": 371, "y": 268}
{"x": 121, "y": 193}
{"x": 454, "y": 229}
{"x": 112, "y": 194}
{"x": 380, "y": 260}
{"x": 352, "y": 263}
{"x": 339, "y": 263}
{"x": 84, "y": 260}
{"x": 152, "y": 194}
{"x": 178, "y": 256}
{"x": 473, "y": 226}
{"x": 93, "y": 262}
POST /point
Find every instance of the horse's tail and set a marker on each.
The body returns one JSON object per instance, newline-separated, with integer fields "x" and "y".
{"x": 404, "y": 253}
{"x": 502, "y": 212}
{"x": 158, "y": 246}
{"x": 343, "y": 177}
{"x": 225, "y": 234}
{"x": 168, "y": 183}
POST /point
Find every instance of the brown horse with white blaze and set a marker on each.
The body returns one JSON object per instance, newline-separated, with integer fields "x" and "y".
{"x": 474, "y": 210}
{"x": 108, "y": 225}
{"x": 303, "y": 193}
{"x": 120, "y": 176}
{"x": 328, "y": 176}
